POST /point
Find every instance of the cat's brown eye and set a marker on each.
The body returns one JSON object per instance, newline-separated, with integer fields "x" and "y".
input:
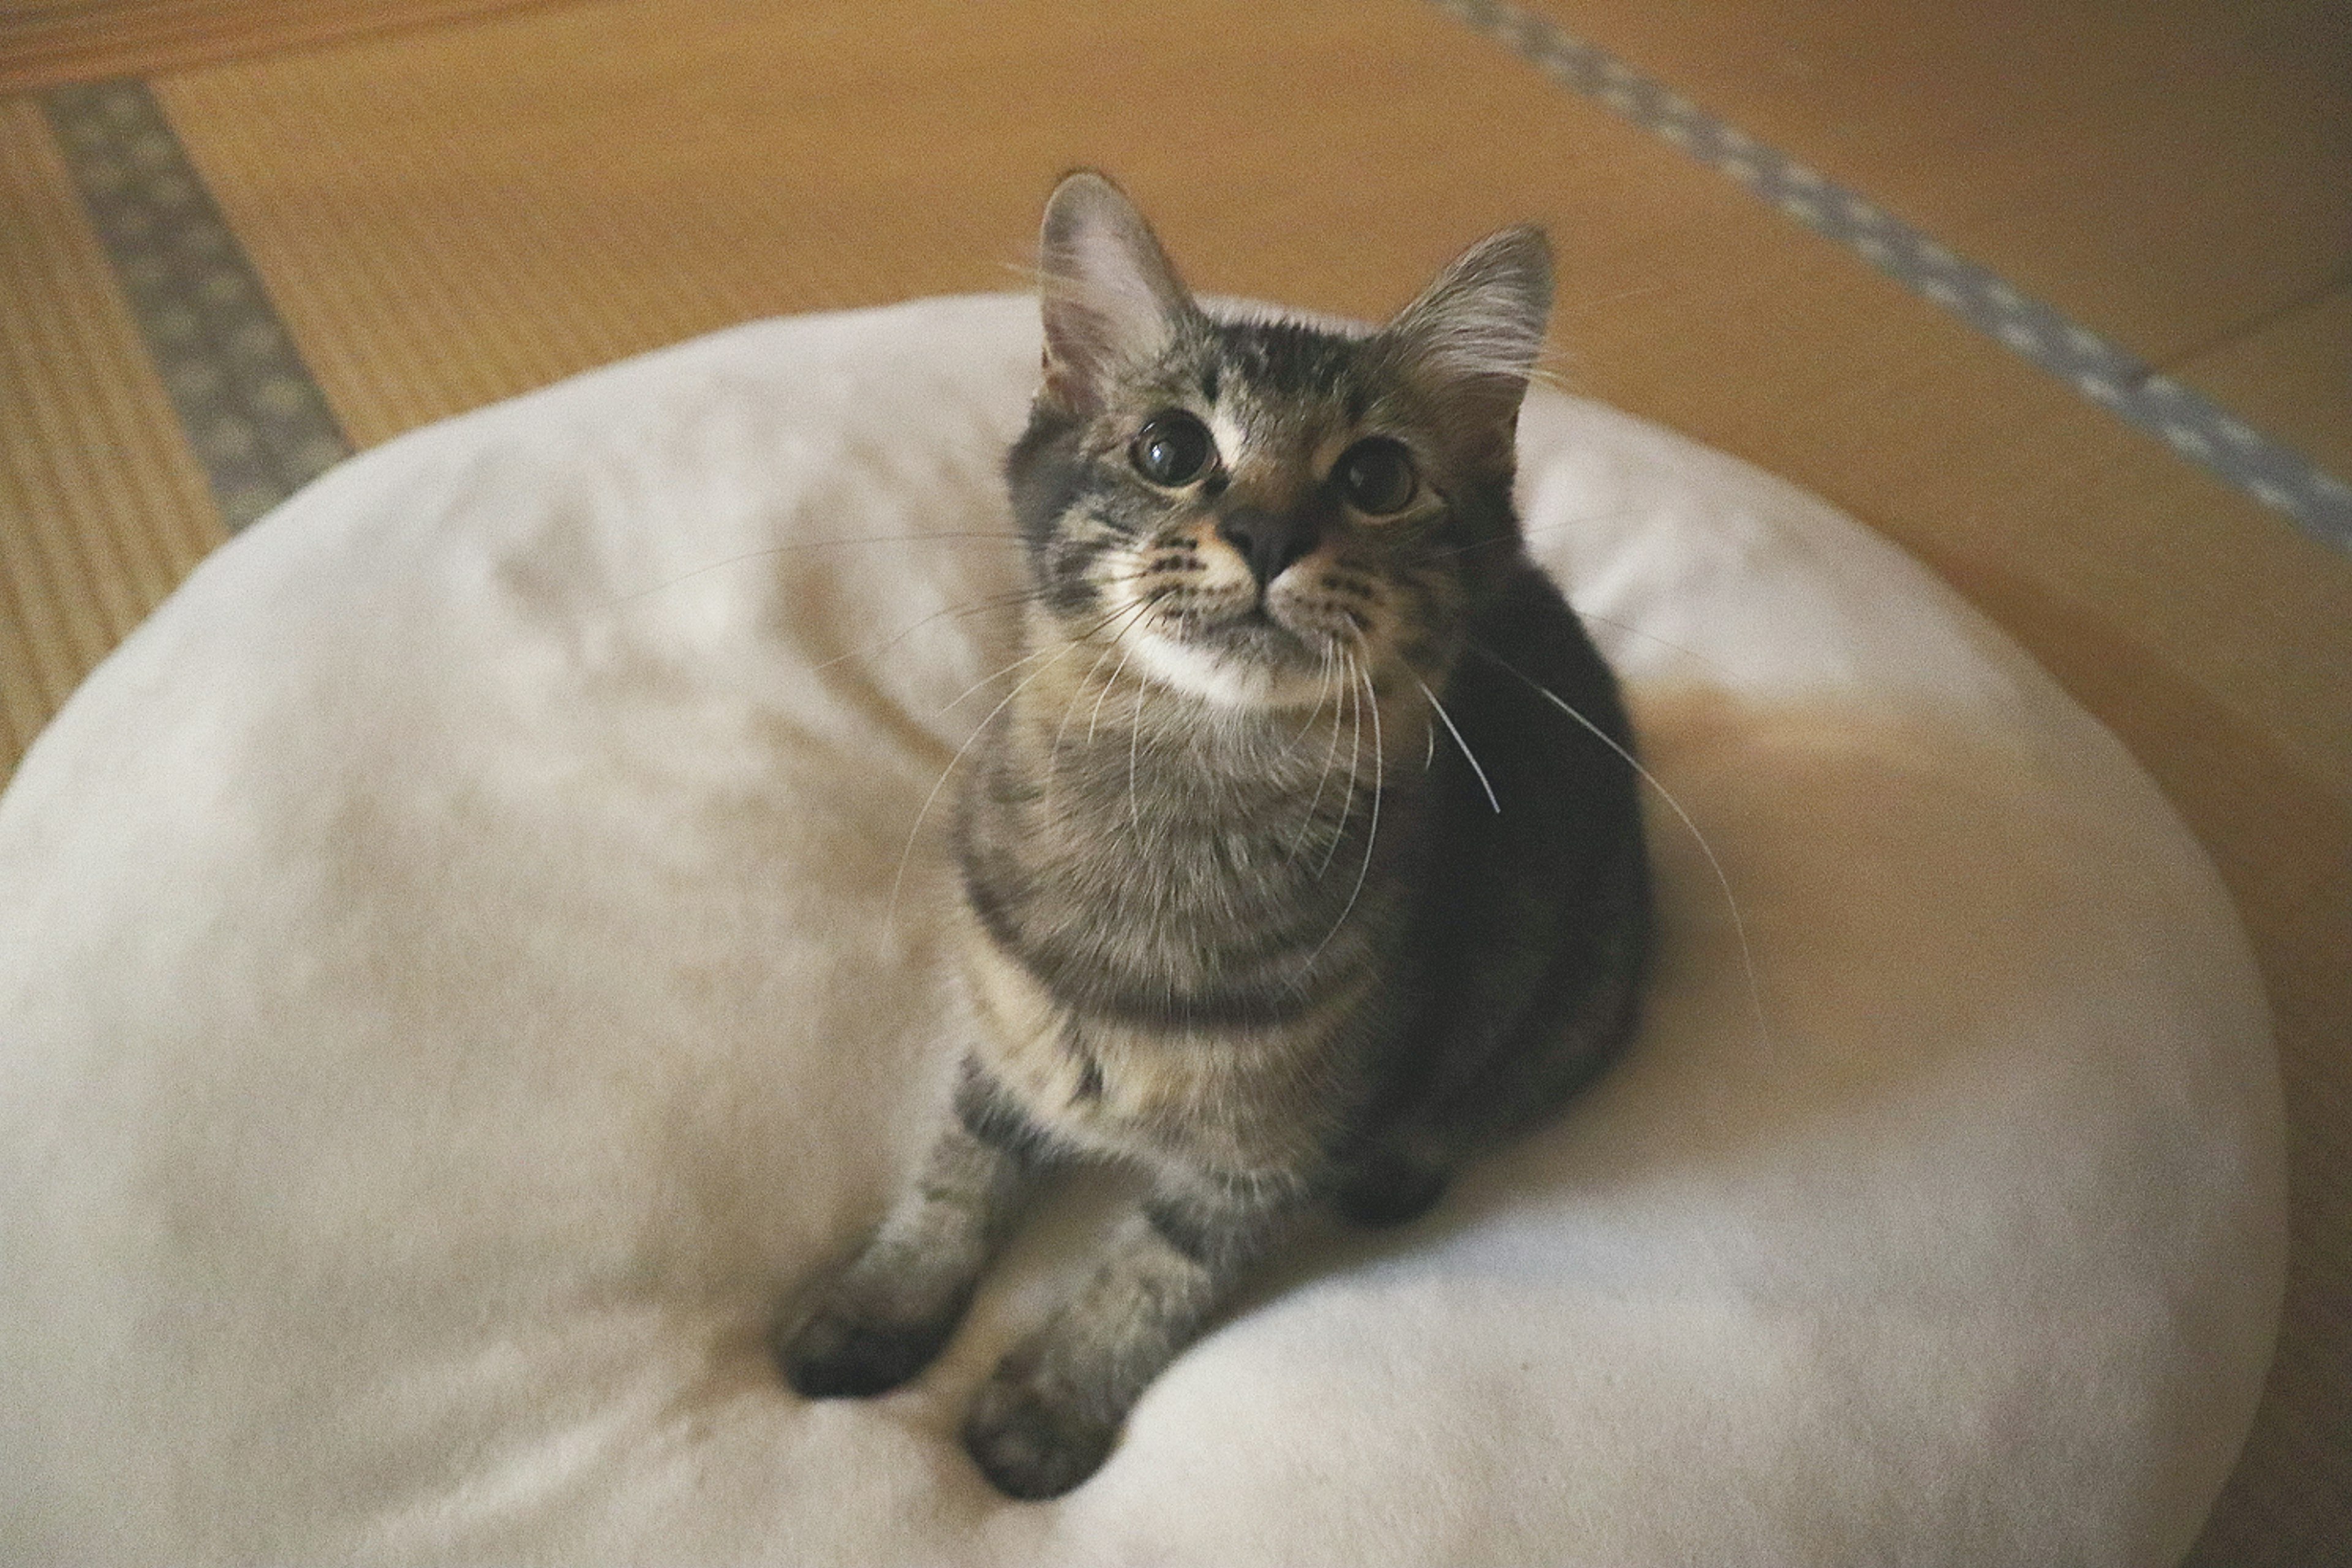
{"x": 1375, "y": 476}
{"x": 1172, "y": 449}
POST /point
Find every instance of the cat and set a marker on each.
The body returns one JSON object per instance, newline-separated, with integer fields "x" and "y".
{"x": 1287, "y": 881}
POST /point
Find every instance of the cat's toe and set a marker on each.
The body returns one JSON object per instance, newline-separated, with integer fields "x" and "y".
{"x": 837, "y": 1356}
{"x": 1030, "y": 1445}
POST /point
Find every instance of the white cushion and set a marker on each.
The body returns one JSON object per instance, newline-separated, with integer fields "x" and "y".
{"x": 449, "y": 993}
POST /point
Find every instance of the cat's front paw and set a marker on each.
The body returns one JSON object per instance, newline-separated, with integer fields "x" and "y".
{"x": 1030, "y": 1444}
{"x": 839, "y": 1353}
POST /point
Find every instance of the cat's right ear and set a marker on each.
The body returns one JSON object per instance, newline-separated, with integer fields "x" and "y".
{"x": 1472, "y": 338}
{"x": 1108, "y": 294}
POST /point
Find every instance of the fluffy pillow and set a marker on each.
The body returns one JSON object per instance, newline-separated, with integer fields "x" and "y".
{"x": 456, "y": 979}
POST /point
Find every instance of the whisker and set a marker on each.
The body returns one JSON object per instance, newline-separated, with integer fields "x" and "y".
{"x": 1094, "y": 717}
{"x": 772, "y": 550}
{"x": 1306, "y": 821}
{"x": 1467, "y": 755}
{"x": 1069, "y": 711}
{"x": 1324, "y": 690}
{"x": 1379, "y": 782}
{"x": 1125, "y": 654}
{"x": 1134, "y": 741}
{"x": 890, "y": 911}
{"x": 1739, "y": 921}
{"x": 1428, "y": 555}
{"x": 992, "y": 603}
{"x": 1632, "y": 630}
{"x": 1354, "y": 748}
{"x": 1525, "y": 533}
{"x": 1040, "y": 653}
{"x": 1000, "y": 674}
{"x": 1372, "y": 832}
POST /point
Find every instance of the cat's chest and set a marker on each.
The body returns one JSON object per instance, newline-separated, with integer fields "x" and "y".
{"x": 1240, "y": 1103}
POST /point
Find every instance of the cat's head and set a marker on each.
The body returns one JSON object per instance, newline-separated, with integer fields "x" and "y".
{"x": 1250, "y": 509}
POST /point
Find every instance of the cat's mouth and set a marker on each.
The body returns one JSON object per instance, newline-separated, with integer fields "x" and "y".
{"x": 1261, "y": 654}
{"x": 1277, "y": 628}
{"x": 1257, "y": 624}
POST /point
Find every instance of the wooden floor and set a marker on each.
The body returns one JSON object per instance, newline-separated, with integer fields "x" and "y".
{"x": 448, "y": 212}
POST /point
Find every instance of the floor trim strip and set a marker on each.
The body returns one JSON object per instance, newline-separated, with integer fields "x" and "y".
{"x": 2127, "y": 386}
{"x": 252, "y": 412}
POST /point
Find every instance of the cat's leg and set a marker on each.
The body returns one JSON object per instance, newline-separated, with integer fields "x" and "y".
{"x": 1487, "y": 1085}
{"x": 882, "y": 1319}
{"x": 1394, "y": 1181}
{"x": 1048, "y": 1416}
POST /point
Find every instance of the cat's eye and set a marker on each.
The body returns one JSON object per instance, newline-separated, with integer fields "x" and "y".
{"x": 1172, "y": 449}
{"x": 1375, "y": 476}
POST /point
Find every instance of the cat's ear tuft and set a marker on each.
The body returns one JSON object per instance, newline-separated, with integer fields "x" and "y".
{"x": 1472, "y": 338}
{"x": 1108, "y": 294}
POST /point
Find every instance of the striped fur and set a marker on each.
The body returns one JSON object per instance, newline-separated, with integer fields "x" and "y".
{"x": 1243, "y": 912}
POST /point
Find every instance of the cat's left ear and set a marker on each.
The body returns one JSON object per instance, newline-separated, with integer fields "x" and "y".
{"x": 1471, "y": 339}
{"x": 1108, "y": 294}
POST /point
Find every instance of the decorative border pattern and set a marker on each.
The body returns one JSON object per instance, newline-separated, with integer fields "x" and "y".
{"x": 252, "y": 412}
{"x": 2109, "y": 375}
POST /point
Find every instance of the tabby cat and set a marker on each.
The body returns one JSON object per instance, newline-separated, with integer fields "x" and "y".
{"x": 1286, "y": 881}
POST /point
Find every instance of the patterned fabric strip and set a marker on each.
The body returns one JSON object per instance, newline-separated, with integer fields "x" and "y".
{"x": 2190, "y": 423}
{"x": 252, "y": 411}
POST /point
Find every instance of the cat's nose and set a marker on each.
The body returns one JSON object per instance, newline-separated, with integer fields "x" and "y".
{"x": 1268, "y": 541}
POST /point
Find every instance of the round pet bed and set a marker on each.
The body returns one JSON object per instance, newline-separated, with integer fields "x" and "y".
{"x": 457, "y": 979}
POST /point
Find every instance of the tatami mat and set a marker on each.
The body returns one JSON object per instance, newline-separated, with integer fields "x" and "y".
{"x": 2108, "y": 372}
{"x": 2291, "y": 372}
{"x": 102, "y": 507}
{"x": 2165, "y": 172}
{"x": 806, "y": 169}
{"x": 448, "y": 216}
{"x": 44, "y": 42}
